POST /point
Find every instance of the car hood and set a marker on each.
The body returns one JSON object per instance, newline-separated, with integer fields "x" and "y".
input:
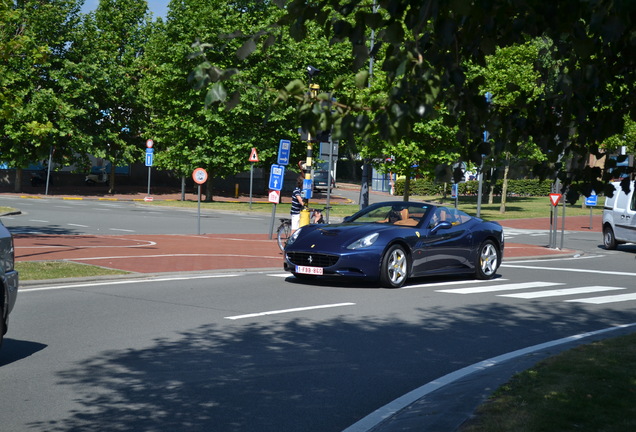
{"x": 336, "y": 235}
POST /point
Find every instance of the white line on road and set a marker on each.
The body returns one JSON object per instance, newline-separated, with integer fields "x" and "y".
{"x": 495, "y": 288}
{"x": 38, "y": 220}
{"x": 381, "y": 414}
{"x": 77, "y": 225}
{"x": 123, "y": 282}
{"x": 561, "y": 292}
{"x": 605, "y": 299}
{"x": 573, "y": 270}
{"x": 283, "y": 311}
{"x": 225, "y": 255}
{"x": 451, "y": 283}
{"x": 120, "y": 229}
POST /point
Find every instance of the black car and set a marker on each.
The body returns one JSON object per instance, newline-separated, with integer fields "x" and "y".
{"x": 8, "y": 279}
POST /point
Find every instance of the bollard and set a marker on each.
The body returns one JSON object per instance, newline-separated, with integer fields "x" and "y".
{"x": 236, "y": 190}
{"x": 304, "y": 217}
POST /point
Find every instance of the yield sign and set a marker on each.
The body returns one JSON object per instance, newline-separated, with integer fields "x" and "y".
{"x": 254, "y": 155}
{"x": 555, "y": 198}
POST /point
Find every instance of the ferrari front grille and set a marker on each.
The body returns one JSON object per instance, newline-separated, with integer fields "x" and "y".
{"x": 312, "y": 259}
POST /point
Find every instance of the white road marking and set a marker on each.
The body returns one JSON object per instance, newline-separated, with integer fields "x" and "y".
{"x": 144, "y": 243}
{"x": 605, "y": 299}
{"x": 460, "y": 282}
{"x": 573, "y": 270}
{"x": 120, "y": 229}
{"x": 284, "y": 311}
{"x": 561, "y": 292}
{"x": 495, "y": 288}
{"x": 38, "y": 220}
{"x": 168, "y": 255}
{"x": 77, "y": 225}
{"x": 381, "y": 414}
{"x": 123, "y": 282}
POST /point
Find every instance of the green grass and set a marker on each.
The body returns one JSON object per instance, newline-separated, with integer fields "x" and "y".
{"x": 41, "y": 270}
{"x": 257, "y": 207}
{"x": 516, "y": 207}
{"x": 587, "y": 389}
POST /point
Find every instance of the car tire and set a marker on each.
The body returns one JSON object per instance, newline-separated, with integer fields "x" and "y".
{"x": 394, "y": 267}
{"x": 609, "y": 239}
{"x": 3, "y": 323}
{"x": 487, "y": 261}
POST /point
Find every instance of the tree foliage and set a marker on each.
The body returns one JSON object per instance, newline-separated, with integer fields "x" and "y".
{"x": 424, "y": 46}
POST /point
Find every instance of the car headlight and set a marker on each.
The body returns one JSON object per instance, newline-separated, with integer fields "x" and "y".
{"x": 293, "y": 237}
{"x": 365, "y": 241}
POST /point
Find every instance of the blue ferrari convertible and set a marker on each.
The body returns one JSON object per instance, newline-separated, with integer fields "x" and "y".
{"x": 392, "y": 241}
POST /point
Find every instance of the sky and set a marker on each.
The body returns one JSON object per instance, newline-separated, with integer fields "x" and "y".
{"x": 159, "y": 8}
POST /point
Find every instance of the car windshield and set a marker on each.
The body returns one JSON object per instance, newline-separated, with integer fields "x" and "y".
{"x": 407, "y": 214}
{"x": 448, "y": 214}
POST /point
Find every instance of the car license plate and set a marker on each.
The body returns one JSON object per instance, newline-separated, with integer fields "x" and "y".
{"x": 309, "y": 270}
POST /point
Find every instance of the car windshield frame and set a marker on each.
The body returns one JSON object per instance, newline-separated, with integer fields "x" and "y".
{"x": 393, "y": 213}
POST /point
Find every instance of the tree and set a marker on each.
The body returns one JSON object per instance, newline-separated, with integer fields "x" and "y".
{"x": 214, "y": 138}
{"x": 106, "y": 62}
{"x": 425, "y": 46}
{"x": 37, "y": 109}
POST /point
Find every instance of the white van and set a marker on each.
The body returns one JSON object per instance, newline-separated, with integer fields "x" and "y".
{"x": 619, "y": 217}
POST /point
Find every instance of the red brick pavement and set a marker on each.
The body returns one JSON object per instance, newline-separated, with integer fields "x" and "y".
{"x": 155, "y": 253}
{"x": 174, "y": 253}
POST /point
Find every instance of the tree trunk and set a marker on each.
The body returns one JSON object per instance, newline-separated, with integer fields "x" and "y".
{"x": 17, "y": 186}
{"x": 504, "y": 187}
{"x": 491, "y": 194}
{"x": 208, "y": 190}
{"x": 111, "y": 179}
{"x": 407, "y": 186}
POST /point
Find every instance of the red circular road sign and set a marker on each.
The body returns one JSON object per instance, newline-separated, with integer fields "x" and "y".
{"x": 149, "y": 143}
{"x": 199, "y": 175}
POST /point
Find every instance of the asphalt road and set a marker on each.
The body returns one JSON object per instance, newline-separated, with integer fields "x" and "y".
{"x": 261, "y": 352}
{"x": 258, "y": 351}
{"x": 56, "y": 216}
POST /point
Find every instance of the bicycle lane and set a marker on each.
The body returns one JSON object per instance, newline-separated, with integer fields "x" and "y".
{"x": 155, "y": 253}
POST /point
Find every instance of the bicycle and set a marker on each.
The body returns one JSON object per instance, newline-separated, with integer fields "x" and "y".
{"x": 284, "y": 229}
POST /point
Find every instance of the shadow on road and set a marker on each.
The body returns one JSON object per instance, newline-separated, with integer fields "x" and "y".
{"x": 300, "y": 375}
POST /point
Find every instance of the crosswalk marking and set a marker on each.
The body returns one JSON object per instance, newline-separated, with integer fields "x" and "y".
{"x": 605, "y": 299}
{"x": 447, "y": 283}
{"x": 560, "y": 292}
{"x": 504, "y": 287}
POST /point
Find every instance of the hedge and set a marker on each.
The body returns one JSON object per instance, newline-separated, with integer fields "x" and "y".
{"x": 524, "y": 187}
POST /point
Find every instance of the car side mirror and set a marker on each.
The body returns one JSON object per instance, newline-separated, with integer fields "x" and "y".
{"x": 441, "y": 226}
{"x": 346, "y": 218}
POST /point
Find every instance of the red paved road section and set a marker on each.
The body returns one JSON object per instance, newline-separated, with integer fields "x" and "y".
{"x": 175, "y": 253}
{"x": 155, "y": 253}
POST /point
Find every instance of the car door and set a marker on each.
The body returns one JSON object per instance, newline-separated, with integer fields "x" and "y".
{"x": 625, "y": 215}
{"x": 447, "y": 248}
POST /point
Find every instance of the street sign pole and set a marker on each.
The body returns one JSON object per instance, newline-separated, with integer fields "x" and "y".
{"x": 276, "y": 178}
{"x": 200, "y": 176}
{"x": 149, "y": 160}
{"x": 251, "y": 182}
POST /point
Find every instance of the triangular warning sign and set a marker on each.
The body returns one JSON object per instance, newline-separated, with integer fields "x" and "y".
{"x": 254, "y": 155}
{"x": 555, "y": 198}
